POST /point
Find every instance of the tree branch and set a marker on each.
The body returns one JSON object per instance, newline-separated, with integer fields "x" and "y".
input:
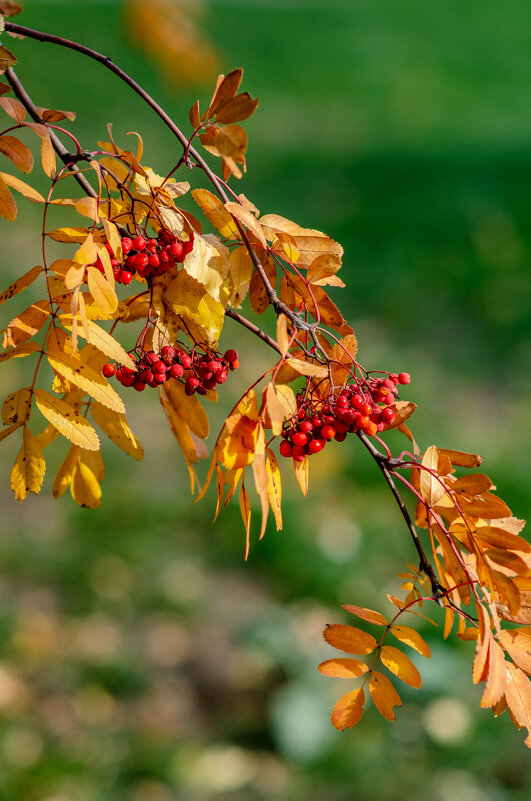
{"x": 424, "y": 564}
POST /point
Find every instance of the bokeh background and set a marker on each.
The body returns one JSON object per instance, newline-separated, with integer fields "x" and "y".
{"x": 140, "y": 658}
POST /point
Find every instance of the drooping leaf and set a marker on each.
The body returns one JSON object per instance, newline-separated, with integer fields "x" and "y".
{"x": 26, "y": 324}
{"x": 348, "y": 710}
{"x": 86, "y": 379}
{"x": 412, "y": 638}
{"x": 17, "y": 152}
{"x": 28, "y": 471}
{"x": 384, "y": 695}
{"x": 399, "y": 664}
{"x": 85, "y": 487}
{"x": 366, "y": 614}
{"x": 25, "y": 189}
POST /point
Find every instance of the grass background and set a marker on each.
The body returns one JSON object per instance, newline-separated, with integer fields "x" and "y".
{"x": 140, "y": 659}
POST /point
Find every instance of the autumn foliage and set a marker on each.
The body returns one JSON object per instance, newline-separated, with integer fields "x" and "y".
{"x": 136, "y": 254}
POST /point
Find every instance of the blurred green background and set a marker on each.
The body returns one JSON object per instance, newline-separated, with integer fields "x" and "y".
{"x": 140, "y": 658}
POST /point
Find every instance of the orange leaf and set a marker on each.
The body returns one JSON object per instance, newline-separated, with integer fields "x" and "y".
{"x": 17, "y": 152}
{"x": 518, "y": 645}
{"x": 366, "y": 614}
{"x": 496, "y": 676}
{"x": 412, "y": 638}
{"x": 461, "y": 458}
{"x": 348, "y": 710}
{"x": 518, "y": 695}
{"x": 343, "y": 668}
{"x": 399, "y": 664}
{"x": 384, "y": 695}
{"x": 302, "y": 474}
{"x": 474, "y": 484}
{"x": 248, "y": 220}
{"x": 349, "y": 639}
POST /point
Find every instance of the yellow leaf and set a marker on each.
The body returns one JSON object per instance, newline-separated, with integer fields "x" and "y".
{"x": 308, "y": 368}
{"x": 274, "y": 223}
{"x": 4, "y": 433}
{"x": 29, "y": 468}
{"x": 399, "y": 664}
{"x": 349, "y": 639}
{"x": 87, "y": 379}
{"x": 117, "y": 428}
{"x": 26, "y": 324}
{"x": 229, "y": 143}
{"x": 48, "y": 157}
{"x": 17, "y": 152}
{"x": 202, "y": 314}
{"x": 345, "y": 350}
{"x": 287, "y": 245}
{"x": 64, "y": 475}
{"x": 278, "y": 406}
{"x": 431, "y": 487}
{"x": 412, "y": 638}
{"x": 67, "y": 420}
{"x": 101, "y": 340}
{"x": 366, "y": 614}
{"x": 74, "y": 234}
{"x": 248, "y": 220}
{"x": 311, "y": 247}
{"x": 188, "y": 407}
{"x": 26, "y": 349}
{"x": 343, "y": 668}
{"x": 25, "y": 189}
{"x": 15, "y": 408}
{"x": 274, "y": 487}
{"x": 245, "y": 510}
{"x": 85, "y": 487}
{"x": 240, "y": 272}
{"x": 216, "y": 213}
{"x": 384, "y": 695}
{"x": 208, "y": 263}
{"x": 20, "y": 284}
{"x": 101, "y": 290}
{"x": 323, "y": 267}
{"x": 302, "y": 474}
{"x": 348, "y": 710}
{"x": 402, "y": 410}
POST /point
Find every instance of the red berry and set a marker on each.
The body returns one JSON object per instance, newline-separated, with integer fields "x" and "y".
{"x": 348, "y": 418}
{"x": 231, "y": 355}
{"x": 305, "y": 426}
{"x": 128, "y": 371}
{"x": 164, "y": 256}
{"x": 154, "y": 261}
{"x": 176, "y": 250}
{"x": 342, "y": 402}
{"x": 108, "y": 370}
{"x": 141, "y": 261}
{"x": 191, "y": 384}
{"x": 139, "y": 243}
{"x": 234, "y": 365}
{"x": 146, "y": 376}
{"x": 340, "y": 436}
{"x": 152, "y": 245}
{"x": 203, "y": 371}
{"x": 176, "y": 370}
{"x": 139, "y": 385}
{"x": 357, "y": 401}
{"x": 298, "y": 453}
{"x": 220, "y": 376}
{"x": 127, "y": 244}
{"x": 127, "y": 380}
{"x": 285, "y": 448}
{"x": 160, "y": 378}
{"x": 316, "y": 445}
{"x": 388, "y": 415}
{"x": 299, "y": 438}
{"x": 151, "y": 357}
{"x": 328, "y": 432}
{"x": 124, "y": 277}
{"x": 186, "y": 361}
{"x": 404, "y": 378}
{"x": 160, "y": 366}
{"x": 114, "y": 263}
{"x": 167, "y": 353}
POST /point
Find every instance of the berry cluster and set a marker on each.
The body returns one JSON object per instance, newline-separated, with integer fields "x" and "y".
{"x": 355, "y": 408}
{"x": 147, "y": 257}
{"x": 204, "y": 371}
{"x": 152, "y": 257}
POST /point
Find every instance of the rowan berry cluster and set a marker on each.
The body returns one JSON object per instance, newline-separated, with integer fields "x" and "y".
{"x": 147, "y": 257}
{"x": 153, "y": 257}
{"x": 199, "y": 371}
{"x": 356, "y": 407}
